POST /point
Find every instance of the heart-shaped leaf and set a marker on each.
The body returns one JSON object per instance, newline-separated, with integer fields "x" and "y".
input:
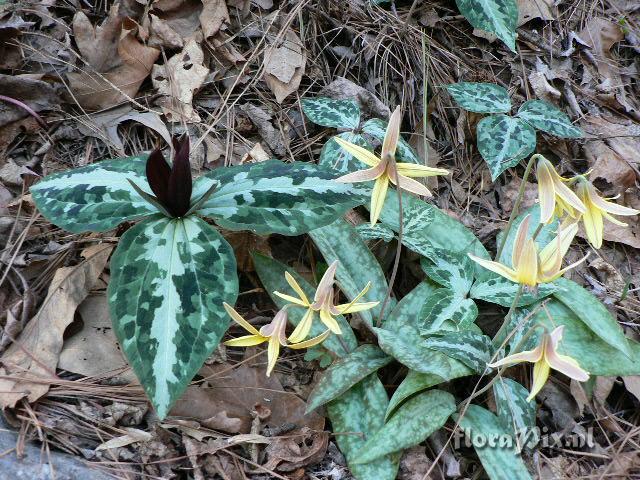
{"x": 480, "y": 97}
{"x": 499, "y": 17}
{"x": 169, "y": 278}
{"x": 544, "y": 116}
{"x": 445, "y": 306}
{"x": 452, "y": 270}
{"x": 332, "y": 113}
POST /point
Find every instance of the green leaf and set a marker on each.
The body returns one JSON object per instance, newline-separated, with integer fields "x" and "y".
{"x": 499, "y": 17}
{"x": 404, "y": 152}
{"x": 332, "y": 113}
{"x": 345, "y": 373}
{"x": 169, "y": 278}
{"x": 516, "y": 414}
{"x": 340, "y": 241}
{"x": 275, "y": 197}
{"x": 271, "y": 273}
{"x": 444, "y": 309}
{"x": 96, "y": 198}
{"x": 502, "y": 291}
{"x": 355, "y": 416}
{"x": 593, "y": 313}
{"x": 334, "y": 157}
{"x": 453, "y": 270}
{"x": 503, "y": 141}
{"x": 472, "y": 349}
{"x": 544, "y": 116}
{"x": 480, "y": 97}
{"x": 376, "y": 232}
{"x": 412, "y": 423}
{"x": 501, "y": 462}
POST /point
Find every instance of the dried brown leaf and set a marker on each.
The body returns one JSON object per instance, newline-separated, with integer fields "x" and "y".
{"x": 284, "y": 66}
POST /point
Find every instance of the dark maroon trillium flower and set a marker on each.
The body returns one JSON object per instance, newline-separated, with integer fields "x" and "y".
{"x": 172, "y": 184}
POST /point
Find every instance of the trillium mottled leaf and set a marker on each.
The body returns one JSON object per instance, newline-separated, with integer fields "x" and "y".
{"x": 96, "y": 198}
{"x": 345, "y": 373}
{"x": 275, "y": 197}
{"x": 499, "y": 17}
{"x": 480, "y": 97}
{"x": 445, "y": 309}
{"x": 412, "y": 423}
{"x": 169, "y": 278}
{"x": 544, "y": 116}
{"x": 593, "y": 313}
{"x": 517, "y": 415}
{"x": 501, "y": 461}
{"x": 404, "y": 152}
{"x": 503, "y": 141}
{"x": 472, "y": 349}
{"x": 344, "y": 114}
{"x": 340, "y": 241}
{"x": 375, "y": 232}
{"x": 355, "y": 416}
{"x": 271, "y": 273}
{"x": 450, "y": 269}
{"x": 336, "y": 158}
{"x": 502, "y": 291}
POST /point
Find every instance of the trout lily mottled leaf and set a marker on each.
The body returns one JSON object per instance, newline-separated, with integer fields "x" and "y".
{"x": 172, "y": 272}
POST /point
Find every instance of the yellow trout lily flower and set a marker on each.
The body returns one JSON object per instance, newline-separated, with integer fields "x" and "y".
{"x": 546, "y": 357}
{"x": 598, "y": 208}
{"x": 555, "y": 197}
{"x": 273, "y": 332}
{"x": 530, "y": 267}
{"x": 384, "y": 169}
{"x": 322, "y": 303}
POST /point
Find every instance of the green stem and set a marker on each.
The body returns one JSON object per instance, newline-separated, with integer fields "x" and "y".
{"x": 498, "y": 336}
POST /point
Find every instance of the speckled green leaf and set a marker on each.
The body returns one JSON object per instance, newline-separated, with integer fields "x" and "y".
{"x": 355, "y": 416}
{"x": 344, "y": 114}
{"x": 169, "y": 278}
{"x": 340, "y": 241}
{"x": 480, "y": 97}
{"x": 335, "y": 157}
{"x": 593, "y": 313}
{"x": 544, "y": 116}
{"x": 453, "y": 270}
{"x": 96, "y": 198}
{"x": 446, "y": 309}
{"x": 412, "y": 423}
{"x": 502, "y": 291}
{"x": 503, "y": 141}
{"x": 472, "y": 349}
{"x": 345, "y": 373}
{"x": 501, "y": 461}
{"x": 516, "y": 414}
{"x": 275, "y": 197}
{"x": 376, "y": 232}
{"x": 499, "y": 17}
{"x": 404, "y": 153}
{"x": 271, "y": 273}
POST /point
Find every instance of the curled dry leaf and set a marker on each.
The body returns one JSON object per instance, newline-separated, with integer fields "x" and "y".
{"x": 177, "y": 80}
{"x": 284, "y": 66}
{"x": 291, "y": 452}
{"x": 116, "y": 62}
{"x": 213, "y": 17}
{"x": 133, "y": 435}
{"x": 35, "y": 354}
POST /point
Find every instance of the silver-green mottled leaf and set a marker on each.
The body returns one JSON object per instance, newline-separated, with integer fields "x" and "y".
{"x": 275, "y": 197}
{"x": 502, "y": 291}
{"x": 593, "y": 313}
{"x": 355, "y": 416}
{"x": 503, "y": 141}
{"x": 404, "y": 152}
{"x": 499, "y": 17}
{"x": 96, "y": 198}
{"x": 516, "y": 414}
{"x": 546, "y": 117}
{"x": 336, "y": 158}
{"x": 345, "y": 373}
{"x": 376, "y": 232}
{"x": 344, "y": 114}
{"x": 453, "y": 270}
{"x": 340, "y": 241}
{"x": 412, "y": 423}
{"x": 271, "y": 273}
{"x": 480, "y": 97}
{"x": 444, "y": 309}
{"x": 501, "y": 461}
{"x": 169, "y": 278}
{"x": 472, "y": 349}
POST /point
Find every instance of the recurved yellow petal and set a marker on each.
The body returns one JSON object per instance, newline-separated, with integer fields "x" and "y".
{"x": 531, "y": 356}
{"x": 361, "y": 153}
{"x": 415, "y": 171}
{"x": 312, "y": 341}
{"x": 392, "y": 135}
{"x": 273, "y": 351}
{"x": 296, "y": 287}
{"x": 246, "y": 341}
{"x": 291, "y": 299}
{"x": 239, "y": 320}
{"x": 330, "y": 322}
{"x": 303, "y": 328}
{"x": 413, "y": 186}
{"x": 540, "y": 377}
{"x": 378, "y": 196}
{"x": 496, "y": 267}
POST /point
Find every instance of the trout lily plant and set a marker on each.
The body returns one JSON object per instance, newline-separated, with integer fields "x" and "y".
{"x": 173, "y": 271}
